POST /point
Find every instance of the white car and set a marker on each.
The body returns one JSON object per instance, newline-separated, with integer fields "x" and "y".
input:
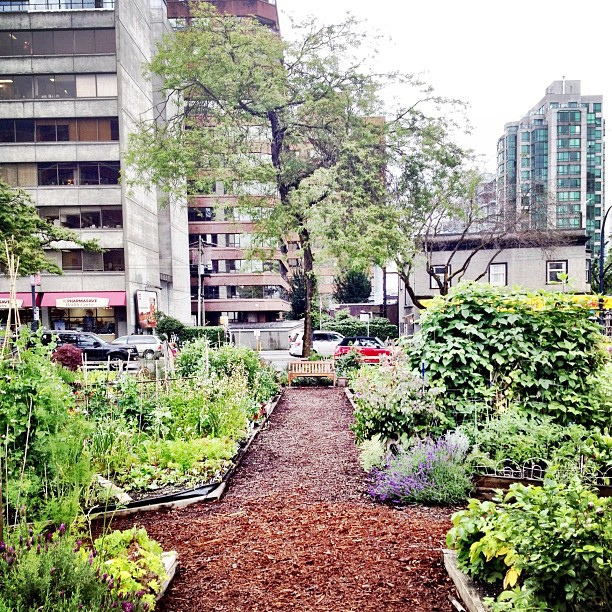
{"x": 148, "y": 346}
{"x": 323, "y": 342}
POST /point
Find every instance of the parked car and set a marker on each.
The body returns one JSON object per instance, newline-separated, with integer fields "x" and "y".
{"x": 369, "y": 347}
{"x": 323, "y": 342}
{"x": 93, "y": 347}
{"x": 148, "y": 346}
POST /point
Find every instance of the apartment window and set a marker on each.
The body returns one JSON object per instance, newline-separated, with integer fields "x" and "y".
{"x": 438, "y": 271}
{"x": 68, "y": 173}
{"x": 52, "y": 86}
{"x": 554, "y": 269}
{"x": 498, "y": 274}
{"x": 211, "y": 293}
{"x": 104, "y": 129}
{"x": 111, "y": 260}
{"x": 588, "y": 271}
{"x": 232, "y": 240}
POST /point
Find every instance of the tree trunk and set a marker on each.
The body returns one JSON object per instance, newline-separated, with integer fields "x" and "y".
{"x": 310, "y": 285}
{"x": 384, "y": 290}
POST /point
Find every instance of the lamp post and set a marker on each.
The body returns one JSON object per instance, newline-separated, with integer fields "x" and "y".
{"x": 34, "y": 282}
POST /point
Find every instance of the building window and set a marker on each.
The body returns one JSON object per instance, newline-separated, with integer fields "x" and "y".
{"x": 588, "y": 271}
{"x": 498, "y": 274}
{"x": 554, "y": 269}
{"x": 67, "y": 173}
{"x": 59, "y": 130}
{"x": 57, "y": 42}
{"x": 53, "y": 86}
{"x": 438, "y": 272}
{"x": 112, "y": 260}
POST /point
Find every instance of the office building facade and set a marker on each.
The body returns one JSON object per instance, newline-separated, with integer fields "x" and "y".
{"x": 551, "y": 163}
{"x": 71, "y": 90}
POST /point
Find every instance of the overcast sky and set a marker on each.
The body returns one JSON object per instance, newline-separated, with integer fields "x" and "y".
{"x": 499, "y": 57}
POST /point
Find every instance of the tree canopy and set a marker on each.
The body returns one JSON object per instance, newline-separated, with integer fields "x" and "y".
{"x": 352, "y": 287}
{"x": 300, "y": 124}
{"x": 28, "y": 235}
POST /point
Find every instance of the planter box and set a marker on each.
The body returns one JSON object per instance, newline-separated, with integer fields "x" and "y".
{"x": 485, "y": 486}
{"x": 464, "y": 584}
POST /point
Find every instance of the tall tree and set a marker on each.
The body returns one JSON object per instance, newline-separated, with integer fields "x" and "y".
{"x": 288, "y": 120}
{"x": 352, "y": 286}
{"x": 28, "y": 235}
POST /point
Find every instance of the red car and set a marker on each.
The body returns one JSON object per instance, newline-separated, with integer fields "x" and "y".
{"x": 369, "y": 347}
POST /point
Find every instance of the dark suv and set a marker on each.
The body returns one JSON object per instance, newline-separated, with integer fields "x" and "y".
{"x": 93, "y": 347}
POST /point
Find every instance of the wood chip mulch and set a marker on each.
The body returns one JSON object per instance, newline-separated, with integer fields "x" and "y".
{"x": 296, "y": 530}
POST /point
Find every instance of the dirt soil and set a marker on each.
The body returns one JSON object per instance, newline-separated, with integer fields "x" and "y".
{"x": 296, "y": 530}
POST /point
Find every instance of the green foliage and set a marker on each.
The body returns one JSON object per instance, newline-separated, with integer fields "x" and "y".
{"x": 50, "y": 571}
{"x": 133, "y": 564}
{"x": 352, "y": 287}
{"x": 28, "y": 235}
{"x": 44, "y": 454}
{"x": 314, "y": 91}
{"x": 372, "y": 453}
{"x": 555, "y": 539}
{"x": 347, "y": 325}
{"x": 167, "y": 327}
{"x": 485, "y": 343}
{"x": 348, "y": 363}
{"x": 391, "y": 401}
{"x": 214, "y": 334}
{"x": 297, "y": 295}
{"x": 515, "y": 436}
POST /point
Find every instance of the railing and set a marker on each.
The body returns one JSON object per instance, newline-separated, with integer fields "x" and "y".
{"x": 54, "y": 5}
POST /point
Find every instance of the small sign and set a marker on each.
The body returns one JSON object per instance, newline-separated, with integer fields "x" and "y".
{"x": 364, "y": 318}
{"x": 257, "y": 333}
{"x": 82, "y": 302}
{"x": 224, "y": 321}
{"x": 6, "y": 302}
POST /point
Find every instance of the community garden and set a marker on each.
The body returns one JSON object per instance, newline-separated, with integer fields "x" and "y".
{"x": 64, "y": 434}
{"x": 517, "y": 388}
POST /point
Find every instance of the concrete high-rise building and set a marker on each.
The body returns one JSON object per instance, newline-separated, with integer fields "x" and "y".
{"x": 225, "y": 282}
{"x": 550, "y": 170}
{"x": 71, "y": 90}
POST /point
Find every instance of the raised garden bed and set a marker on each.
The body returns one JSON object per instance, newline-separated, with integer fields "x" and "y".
{"x": 177, "y": 497}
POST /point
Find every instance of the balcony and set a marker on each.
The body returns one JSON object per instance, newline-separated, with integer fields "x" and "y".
{"x": 265, "y": 12}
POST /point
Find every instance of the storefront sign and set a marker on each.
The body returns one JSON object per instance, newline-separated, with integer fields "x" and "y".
{"x": 82, "y": 301}
{"x": 5, "y": 302}
{"x": 146, "y": 303}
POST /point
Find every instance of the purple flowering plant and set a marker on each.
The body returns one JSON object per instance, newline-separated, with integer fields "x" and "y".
{"x": 429, "y": 471}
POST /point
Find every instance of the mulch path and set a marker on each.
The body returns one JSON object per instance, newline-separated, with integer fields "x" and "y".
{"x": 296, "y": 530}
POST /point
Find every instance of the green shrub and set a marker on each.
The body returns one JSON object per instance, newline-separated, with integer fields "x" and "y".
{"x": 484, "y": 342}
{"x": 45, "y": 456}
{"x": 347, "y": 325}
{"x": 167, "y": 327}
{"x": 133, "y": 564}
{"x": 216, "y": 336}
{"x": 391, "y": 401}
{"x": 50, "y": 571}
{"x": 515, "y": 436}
{"x": 546, "y": 546}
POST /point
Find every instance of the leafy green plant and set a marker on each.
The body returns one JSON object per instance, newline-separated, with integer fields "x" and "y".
{"x": 132, "y": 563}
{"x": 46, "y": 463}
{"x": 372, "y": 453}
{"x": 484, "y": 342}
{"x": 549, "y": 545}
{"x": 391, "y": 400}
{"x": 348, "y": 363}
{"x": 50, "y": 571}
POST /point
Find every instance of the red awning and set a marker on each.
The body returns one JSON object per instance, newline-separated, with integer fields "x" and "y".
{"x": 83, "y": 299}
{"x": 24, "y": 299}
